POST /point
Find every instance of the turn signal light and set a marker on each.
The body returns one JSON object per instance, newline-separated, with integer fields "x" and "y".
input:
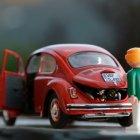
{"x": 73, "y": 92}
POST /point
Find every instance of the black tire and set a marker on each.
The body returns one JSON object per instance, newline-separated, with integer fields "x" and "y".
{"x": 7, "y": 119}
{"x": 57, "y": 117}
{"x": 126, "y": 121}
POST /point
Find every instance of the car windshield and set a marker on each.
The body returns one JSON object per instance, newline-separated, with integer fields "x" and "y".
{"x": 84, "y": 59}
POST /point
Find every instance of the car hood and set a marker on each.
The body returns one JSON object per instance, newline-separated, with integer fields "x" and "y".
{"x": 96, "y": 77}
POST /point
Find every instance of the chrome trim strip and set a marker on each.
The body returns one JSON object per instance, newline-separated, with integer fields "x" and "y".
{"x": 104, "y": 115}
{"x": 122, "y": 106}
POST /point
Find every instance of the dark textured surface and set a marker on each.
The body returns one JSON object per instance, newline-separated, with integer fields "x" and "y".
{"x": 14, "y": 91}
{"x": 37, "y": 134}
{"x": 35, "y": 128}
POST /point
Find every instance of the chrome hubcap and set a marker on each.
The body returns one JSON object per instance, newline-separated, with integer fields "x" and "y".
{"x": 55, "y": 111}
{"x": 6, "y": 115}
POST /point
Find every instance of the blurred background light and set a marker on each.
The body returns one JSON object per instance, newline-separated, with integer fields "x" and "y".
{"x": 31, "y": 24}
{"x": 13, "y": 17}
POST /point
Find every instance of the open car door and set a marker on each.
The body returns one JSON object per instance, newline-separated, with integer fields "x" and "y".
{"x": 12, "y": 82}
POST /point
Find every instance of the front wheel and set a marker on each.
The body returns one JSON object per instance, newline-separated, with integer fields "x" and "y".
{"x": 126, "y": 121}
{"x": 57, "y": 117}
{"x": 9, "y": 117}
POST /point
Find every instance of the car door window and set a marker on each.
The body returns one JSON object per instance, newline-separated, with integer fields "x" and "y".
{"x": 48, "y": 64}
{"x": 13, "y": 64}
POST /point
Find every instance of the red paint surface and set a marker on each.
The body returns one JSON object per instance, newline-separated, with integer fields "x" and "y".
{"x": 64, "y": 77}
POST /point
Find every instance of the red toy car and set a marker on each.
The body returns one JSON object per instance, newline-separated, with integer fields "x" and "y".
{"x": 64, "y": 82}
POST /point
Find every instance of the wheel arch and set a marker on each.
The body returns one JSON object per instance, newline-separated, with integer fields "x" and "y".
{"x": 60, "y": 88}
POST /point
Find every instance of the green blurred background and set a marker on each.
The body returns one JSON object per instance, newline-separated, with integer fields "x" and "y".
{"x": 26, "y": 25}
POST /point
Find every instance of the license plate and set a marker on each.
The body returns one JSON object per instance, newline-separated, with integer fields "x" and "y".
{"x": 111, "y": 77}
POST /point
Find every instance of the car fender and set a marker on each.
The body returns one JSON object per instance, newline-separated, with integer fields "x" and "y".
{"x": 60, "y": 87}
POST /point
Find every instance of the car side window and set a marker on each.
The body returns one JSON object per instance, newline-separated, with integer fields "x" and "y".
{"x": 48, "y": 64}
{"x": 12, "y": 64}
{"x": 34, "y": 64}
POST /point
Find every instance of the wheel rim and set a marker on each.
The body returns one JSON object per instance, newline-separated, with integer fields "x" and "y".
{"x": 55, "y": 110}
{"x": 6, "y": 115}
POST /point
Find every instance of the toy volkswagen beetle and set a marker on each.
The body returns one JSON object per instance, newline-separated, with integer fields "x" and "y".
{"x": 64, "y": 82}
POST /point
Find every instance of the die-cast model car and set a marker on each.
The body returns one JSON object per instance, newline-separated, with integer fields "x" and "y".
{"x": 65, "y": 82}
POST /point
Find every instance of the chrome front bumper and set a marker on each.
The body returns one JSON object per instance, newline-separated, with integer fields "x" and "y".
{"x": 102, "y": 108}
{"x": 122, "y": 106}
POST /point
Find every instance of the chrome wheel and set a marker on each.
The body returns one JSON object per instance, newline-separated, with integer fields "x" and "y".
{"x": 9, "y": 117}
{"x": 55, "y": 110}
{"x": 57, "y": 117}
{"x": 6, "y": 115}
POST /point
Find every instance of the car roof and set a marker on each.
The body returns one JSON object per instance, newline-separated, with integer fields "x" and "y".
{"x": 69, "y": 49}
